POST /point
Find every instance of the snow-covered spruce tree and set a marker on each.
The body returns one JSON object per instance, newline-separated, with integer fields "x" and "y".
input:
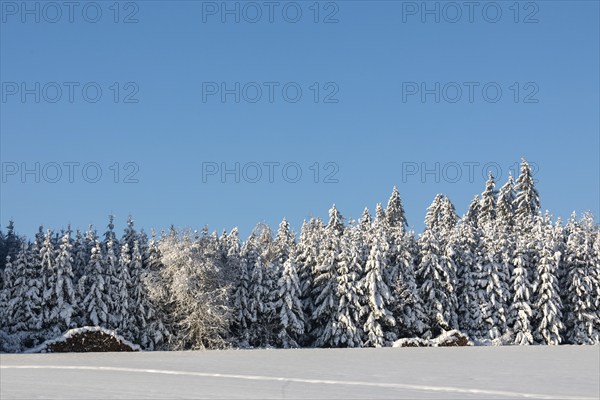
{"x": 123, "y": 316}
{"x": 394, "y": 212}
{"x": 378, "y": 295}
{"x": 8, "y": 295}
{"x": 494, "y": 282}
{"x": 548, "y": 324}
{"x": 520, "y": 313}
{"x": 325, "y": 290}
{"x": 242, "y": 314}
{"x": 141, "y": 310}
{"x": 307, "y": 255}
{"x": 95, "y": 303}
{"x": 158, "y": 293}
{"x": 582, "y": 315}
{"x": 348, "y": 324}
{"x": 111, "y": 278}
{"x": 65, "y": 292}
{"x": 408, "y": 308}
{"x": 527, "y": 200}
{"x": 48, "y": 266}
{"x": 265, "y": 328}
{"x": 289, "y": 307}
{"x": 505, "y": 206}
{"x": 129, "y": 235}
{"x": 468, "y": 259}
{"x": 259, "y": 294}
{"x": 487, "y": 208}
{"x": 472, "y": 214}
{"x": 81, "y": 254}
{"x": 436, "y": 272}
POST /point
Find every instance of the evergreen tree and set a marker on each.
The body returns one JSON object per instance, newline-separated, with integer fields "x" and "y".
{"x": 325, "y": 290}
{"x": 527, "y": 200}
{"x": 548, "y": 324}
{"x": 95, "y": 303}
{"x": 487, "y": 209}
{"x": 520, "y": 314}
{"x": 394, "y": 212}
{"x": 289, "y": 307}
{"x": 348, "y": 325}
{"x": 65, "y": 292}
{"x": 380, "y": 320}
{"x": 505, "y": 210}
{"x": 581, "y": 299}
{"x": 242, "y": 314}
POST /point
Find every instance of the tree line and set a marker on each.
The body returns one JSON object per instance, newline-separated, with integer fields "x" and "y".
{"x": 503, "y": 273}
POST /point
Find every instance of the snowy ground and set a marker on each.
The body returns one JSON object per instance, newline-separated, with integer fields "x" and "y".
{"x": 478, "y": 373}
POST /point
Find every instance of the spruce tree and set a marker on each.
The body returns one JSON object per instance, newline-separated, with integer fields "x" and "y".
{"x": 289, "y": 307}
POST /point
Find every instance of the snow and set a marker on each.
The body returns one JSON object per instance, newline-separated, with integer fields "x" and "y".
{"x": 550, "y": 372}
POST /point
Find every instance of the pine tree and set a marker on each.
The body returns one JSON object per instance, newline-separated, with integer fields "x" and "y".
{"x": 436, "y": 272}
{"x": 505, "y": 210}
{"x": 548, "y": 324}
{"x": 325, "y": 283}
{"x": 289, "y": 307}
{"x": 394, "y": 212}
{"x": 521, "y": 314}
{"x": 487, "y": 209}
{"x": 581, "y": 298}
{"x": 468, "y": 258}
{"x": 380, "y": 319}
{"x": 96, "y": 300}
{"x": 348, "y": 325}
{"x": 65, "y": 292}
{"x": 307, "y": 256}
{"x": 527, "y": 200}
{"x": 242, "y": 314}
{"x": 48, "y": 263}
{"x": 123, "y": 316}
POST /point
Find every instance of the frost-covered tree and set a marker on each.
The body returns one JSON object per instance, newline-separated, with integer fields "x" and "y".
{"x": 408, "y": 308}
{"x": 582, "y": 315}
{"x": 436, "y": 272}
{"x": 124, "y": 324}
{"x": 289, "y": 307}
{"x": 494, "y": 280}
{"x": 325, "y": 293}
{"x": 378, "y": 295}
{"x": 520, "y": 313}
{"x": 527, "y": 200}
{"x": 505, "y": 211}
{"x": 96, "y": 302}
{"x": 348, "y": 324}
{"x": 64, "y": 302}
{"x": 394, "y": 212}
{"x": 195, "y": 294}
{"x": 472, "y": 213}
{"x": 242, "y": 313}
{"x": 487, "y": 208}
{"x": 307, "y": 256}
{"x": 548, "y": 324}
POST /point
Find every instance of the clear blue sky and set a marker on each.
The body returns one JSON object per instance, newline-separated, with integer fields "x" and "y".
{"x": 373, "y": 131}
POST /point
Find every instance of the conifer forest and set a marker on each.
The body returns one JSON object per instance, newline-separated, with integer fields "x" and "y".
{"x": 505, "y": 273}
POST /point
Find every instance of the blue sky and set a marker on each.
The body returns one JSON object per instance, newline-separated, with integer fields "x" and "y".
{"x": 368, "y": 128}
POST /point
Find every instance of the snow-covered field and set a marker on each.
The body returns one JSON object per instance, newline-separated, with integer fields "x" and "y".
{"x": 474, "y": 372}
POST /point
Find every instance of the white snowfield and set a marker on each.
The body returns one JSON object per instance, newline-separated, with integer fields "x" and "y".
{"x": 544, "y": 372}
